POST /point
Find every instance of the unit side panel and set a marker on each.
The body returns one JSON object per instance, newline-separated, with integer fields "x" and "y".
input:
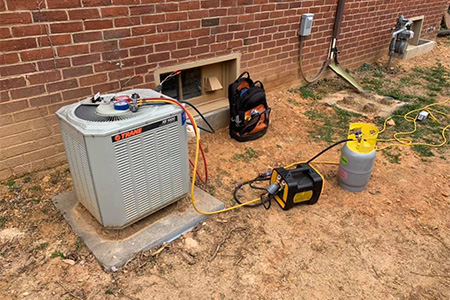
{"x": 79, "y": 170}
{"x": 103, "y": 164}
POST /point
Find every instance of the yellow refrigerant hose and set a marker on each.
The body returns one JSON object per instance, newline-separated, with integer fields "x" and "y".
{"x": 407, "y": 142}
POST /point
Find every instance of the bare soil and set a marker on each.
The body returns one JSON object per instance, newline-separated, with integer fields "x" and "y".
{"x": 391, "y": 241}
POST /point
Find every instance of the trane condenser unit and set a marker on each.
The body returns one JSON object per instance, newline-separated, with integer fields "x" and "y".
{"x": 127, "y": 166}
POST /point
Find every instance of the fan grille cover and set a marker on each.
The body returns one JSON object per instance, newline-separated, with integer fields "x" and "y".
{"x": 88, "y": 113}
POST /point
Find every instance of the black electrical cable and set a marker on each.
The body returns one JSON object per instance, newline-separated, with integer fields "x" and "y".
{"x": 300, "y": 61}
{"x": 250, "y": 183}
{"x": 202, "y": 128}
{"x": 268, "y": 200}
{"x": 201, "y": 116}
{"x": 210, "y": 130}
{"x": 326, "y": 149}
{"x": 266, "y": 177}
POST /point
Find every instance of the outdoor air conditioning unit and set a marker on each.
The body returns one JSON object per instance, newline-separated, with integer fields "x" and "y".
{"x": 128, "y": 166}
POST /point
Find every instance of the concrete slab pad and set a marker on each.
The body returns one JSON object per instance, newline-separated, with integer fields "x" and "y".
{"x": 219, "y": 118}
{"x": 114, "y": 253}
{"x": 422, "y": 48}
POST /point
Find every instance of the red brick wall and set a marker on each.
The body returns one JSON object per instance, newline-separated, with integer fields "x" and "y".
{"x": 54, "y": 52}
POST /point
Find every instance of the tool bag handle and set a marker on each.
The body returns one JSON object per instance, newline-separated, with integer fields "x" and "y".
{"x": 242, "y": 75}
{"x": 260, "y": 84}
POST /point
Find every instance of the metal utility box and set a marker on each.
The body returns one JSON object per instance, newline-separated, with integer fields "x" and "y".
{"x": 306, "y": 25}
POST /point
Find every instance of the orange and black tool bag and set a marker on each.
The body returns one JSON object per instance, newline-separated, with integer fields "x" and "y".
{"x": 249, "y": 112}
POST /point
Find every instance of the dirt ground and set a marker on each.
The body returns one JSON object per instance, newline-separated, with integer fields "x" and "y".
{"x": 391, "y": 241}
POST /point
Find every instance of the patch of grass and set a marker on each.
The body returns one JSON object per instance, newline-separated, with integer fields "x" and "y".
{"x": 293, "y": 102}
{"x": 407, "y": 80}
{"x": 315, "y": 115}
{"x": 392, "y": 158}
{"x": 232, "y": 201}
{"x": 56, "y": 254}
{"x": 434, "y": 79}
{"x": 375, "y": 84}
{"x": 79, "y": 244}
{"x": 434, "y": 88}
{"x": 366, "y": 67}
{"x": 378, "y": 74}
{"x": 428, "y": 131}
{"x": 307, "y": 93}
{"x": 279, "y": 146}
{"x": 437, "y": 77}
{"x": 344, "y": 117}
{"x": 27, "y": 179}
{"x": 249, "y": 155}
{"x": 36, "y": 188}
{"x": 2, "y": 222}
{"x": 397, "y": 94}
{"x": 109, "y": 292}
{"x": 11, "y": 184}
{"x": 36, "y": 201}
{"x": 424, "y": 151}
{"x": 418, "y": 70}
{"x": 42, "y": 246}
{"x": 330, "y": 128}
{"x": 223, "y": 172}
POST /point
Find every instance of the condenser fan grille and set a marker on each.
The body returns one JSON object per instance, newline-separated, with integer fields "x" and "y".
{"x": 87, "y": 113}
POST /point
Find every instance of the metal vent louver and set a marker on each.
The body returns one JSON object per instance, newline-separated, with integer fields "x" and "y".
{"x": 129, "y": 166}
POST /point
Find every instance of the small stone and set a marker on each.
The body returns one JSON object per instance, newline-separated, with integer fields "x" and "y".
{"x": 187, "y": 235}
{"x": 248, "y": 279}
{"x": 391, "y": 122}
{"x": 68, "y": 261}
{"x": 191, "y": 243}
{"x": 446, "y": 194}
{"x": 10, "y": 233}
{"x": 25, "y": 293}
{"x": 46, "y": 179}
{"x": 187, "y": 257}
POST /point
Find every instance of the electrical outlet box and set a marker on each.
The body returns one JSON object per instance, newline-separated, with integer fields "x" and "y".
{"x": 306, "y": 25}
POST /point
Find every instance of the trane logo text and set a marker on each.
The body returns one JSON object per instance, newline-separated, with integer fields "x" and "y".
{"x": 130, "y": 133}
{"x": 127, "y": 134}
